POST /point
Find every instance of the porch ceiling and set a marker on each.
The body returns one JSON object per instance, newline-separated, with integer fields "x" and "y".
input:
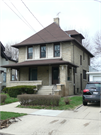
{"x": 40, "y": 63}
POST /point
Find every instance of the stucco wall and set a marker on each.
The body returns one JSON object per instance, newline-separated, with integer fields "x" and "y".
{"x": 22, "y": 54}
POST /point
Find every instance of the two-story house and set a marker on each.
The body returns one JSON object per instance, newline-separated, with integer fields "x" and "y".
{"x": 4, "y": 59}
{"x": 52, "y": 56}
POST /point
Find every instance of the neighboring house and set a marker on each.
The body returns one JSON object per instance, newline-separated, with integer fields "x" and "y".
{"x": 52, "y": 56}
{"x": 5, "y": 60}
{"x": 94, "y": 75}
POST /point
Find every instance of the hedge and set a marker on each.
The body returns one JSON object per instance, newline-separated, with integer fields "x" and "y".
{"x": 3, "y": 98}
{"x": 32, "y": 99}
{"x": 17, "y": 90}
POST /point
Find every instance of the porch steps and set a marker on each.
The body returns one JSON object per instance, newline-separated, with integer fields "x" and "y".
{"x": 45, "y": 90}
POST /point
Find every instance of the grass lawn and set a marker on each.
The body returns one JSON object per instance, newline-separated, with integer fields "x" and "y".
{"x": 6, "y": 115}
{"x": 74, "y": 102}
{"x": 9, "y": 99}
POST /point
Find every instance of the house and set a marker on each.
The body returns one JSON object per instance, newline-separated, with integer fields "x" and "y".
{"x": 4, "y": 59}
{"x": 94, "y": 75}
{"x": 52, "y": 57}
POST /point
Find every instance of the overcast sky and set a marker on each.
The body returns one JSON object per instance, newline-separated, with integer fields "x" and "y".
{"x": 82, "y": 15}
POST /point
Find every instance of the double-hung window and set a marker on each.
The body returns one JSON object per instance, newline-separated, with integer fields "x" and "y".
{"x": 43, "y": 51}
{"x": 84, "y": 74}
{"x": 30, "y": 52}
{"x": 57, "y": 50}
{"x": 4, "y": 77}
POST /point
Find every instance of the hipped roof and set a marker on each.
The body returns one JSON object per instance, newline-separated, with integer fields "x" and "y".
{"x": 51, "y": 34}
{"x": 39, "y": 63}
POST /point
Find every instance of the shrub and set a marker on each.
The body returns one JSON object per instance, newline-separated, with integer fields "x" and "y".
{"x": 32, "y": 99}
{"x": 17, "y": 90}
{"x": 67, "y": 100}
{"x": 3, "y": 98}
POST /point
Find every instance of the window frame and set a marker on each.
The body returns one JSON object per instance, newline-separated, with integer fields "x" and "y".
{"x": 29, "y": 53}
{"x": 41, "y": 52}
{"x": 4, "y": 77}
{"x": 58, "y": 44}
{"x": 80, "y": 59}
{"x": 84, "y": 74}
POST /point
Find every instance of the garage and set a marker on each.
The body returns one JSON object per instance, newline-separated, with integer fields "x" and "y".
{"x": 97, "y": 78}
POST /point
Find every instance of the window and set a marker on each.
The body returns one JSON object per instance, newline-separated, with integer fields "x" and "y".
{"x": 83, "y": 56}
{"x": 4, "y": 77}
{"x": 13, "y": 77}
{"x": 57, "y": 50}
{"x": 30, "y": 53}
{"x": 84, "y": 74}
{"x": 43, "y": 51}
{"x": 80, "y": 59}
{"x": 88, "y": 60}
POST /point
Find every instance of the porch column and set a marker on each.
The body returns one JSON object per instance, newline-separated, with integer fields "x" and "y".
{"x": 50, "y": 75}
{"x": 63, "y": 77}
{"x": 8, "y": 77}
{"x": 17, "y": 75}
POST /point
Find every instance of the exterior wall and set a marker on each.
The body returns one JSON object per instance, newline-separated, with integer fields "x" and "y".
{"x": 67, "y": 51}
{"x": 22, "y": 54}
{"x": 43, "y": 74}
{"x": 24, "y": 74}
{"x": 36, "y": 53}
{"x": 84, "y": 66}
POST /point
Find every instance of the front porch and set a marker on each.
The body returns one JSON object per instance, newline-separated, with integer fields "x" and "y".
{"x": 60, "y": 74}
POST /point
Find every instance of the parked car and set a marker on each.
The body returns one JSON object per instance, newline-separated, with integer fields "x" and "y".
{"x": 92, "y": 93}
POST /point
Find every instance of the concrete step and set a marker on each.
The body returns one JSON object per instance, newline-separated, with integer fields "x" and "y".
{"x": 45, "y": 90}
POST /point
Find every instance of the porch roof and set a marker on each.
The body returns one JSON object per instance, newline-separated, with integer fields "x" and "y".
{"x": 40, "y": 63}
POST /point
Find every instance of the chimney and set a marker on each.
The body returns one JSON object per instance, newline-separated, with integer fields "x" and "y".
{"x": 56, "y": 20}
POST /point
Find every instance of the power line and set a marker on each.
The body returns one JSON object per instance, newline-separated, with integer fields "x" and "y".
{"x": 22, "y": 16}
{"x": 21, "y": 19}
{"x": 36, "y": 18}
{"x": 32, "y": 13}
{"x": 16, "y": 13}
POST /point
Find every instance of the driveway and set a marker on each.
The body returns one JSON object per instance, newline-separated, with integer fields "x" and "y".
{"x": 85, "y": 120}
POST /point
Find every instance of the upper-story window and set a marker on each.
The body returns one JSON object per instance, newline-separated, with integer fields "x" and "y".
{"x": 80, "y": 59}
{"x": 30, "y": 52}
{"x": 57, "y": 50}
{"x": 43, "y": 51}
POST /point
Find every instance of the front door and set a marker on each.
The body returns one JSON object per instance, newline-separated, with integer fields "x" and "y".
{"x": 32, "y": 74}
{"x": 55, "y": 75}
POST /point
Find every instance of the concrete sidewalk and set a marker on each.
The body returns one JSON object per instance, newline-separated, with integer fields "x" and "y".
{"x": 84, "y": 121}
{"x": 13, "y": 108}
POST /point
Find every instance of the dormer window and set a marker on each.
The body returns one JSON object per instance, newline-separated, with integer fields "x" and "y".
{"x": 43, "y": 51}
{"x": 57, "y": 50}
{"x": 30, "y": 52}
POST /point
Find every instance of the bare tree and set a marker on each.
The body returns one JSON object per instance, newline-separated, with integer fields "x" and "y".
{"x": 11, "y": 51}
{"x": 97, "y": 40}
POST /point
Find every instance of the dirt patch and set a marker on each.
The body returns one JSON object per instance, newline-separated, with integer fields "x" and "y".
{"x": 6, "y": 123}
{"x": 54, "y": 121}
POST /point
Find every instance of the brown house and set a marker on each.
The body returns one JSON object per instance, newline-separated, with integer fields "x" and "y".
{"x": 52, "y": 57}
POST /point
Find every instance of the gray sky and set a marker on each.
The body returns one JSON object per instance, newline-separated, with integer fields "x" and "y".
{"x": 82, "y": 15}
